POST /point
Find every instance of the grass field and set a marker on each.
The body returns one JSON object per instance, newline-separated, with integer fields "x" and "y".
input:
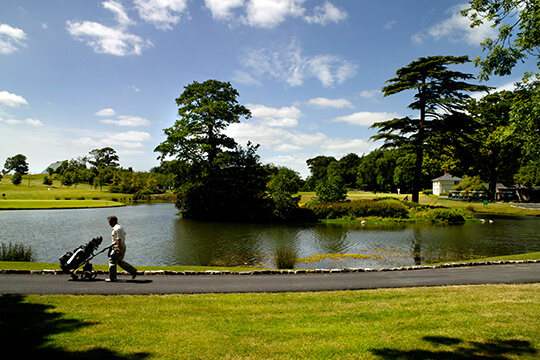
{"x": 459, "y": 322}
{"x": 32, "y": 194}
{"x": 432, "y": 200}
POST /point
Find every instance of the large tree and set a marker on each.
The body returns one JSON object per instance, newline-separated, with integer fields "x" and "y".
{"x": 216, "y": 178}
{"x": 518, "y": 24}
{"x": 102, "y": 158}
{"x": 440, "y": 96}
{"x": 317, "y": 167}
{"x": 494, "y": 149}
{"x": 16, "y": 164}
{"x": 205, "y": 110}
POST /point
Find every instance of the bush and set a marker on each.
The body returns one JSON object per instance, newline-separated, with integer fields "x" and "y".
{"x": 286, "y": 258}
{"x": 451, "y": 216}
{"x": 142, "y": 195}
{"x": 16, "y": 179}
{"x": 16, "y": 252}
{"x": 356, "y": 209}
{"x": 47, "y": 180}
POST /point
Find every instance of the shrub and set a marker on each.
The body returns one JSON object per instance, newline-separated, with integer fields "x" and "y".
{"x": 363, "y": 208}
{"x": 16, "y": 252}
{"x": 286, "y": 258}
{"x": 142, "y": 195}
{"x": 451, "y": 216}
{"x": 16, "y": 179}
{"x": 47, "y": 180}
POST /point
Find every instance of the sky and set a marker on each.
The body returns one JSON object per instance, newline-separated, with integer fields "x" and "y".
{"x": 82, "y": 75}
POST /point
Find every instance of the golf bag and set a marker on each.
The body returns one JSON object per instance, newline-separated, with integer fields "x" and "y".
{"x": 71, "y": 261}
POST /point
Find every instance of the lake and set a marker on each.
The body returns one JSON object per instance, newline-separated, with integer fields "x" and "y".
{"x": 157, "y": 236}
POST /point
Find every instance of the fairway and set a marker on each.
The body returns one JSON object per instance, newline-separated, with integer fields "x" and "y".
{"x": 55, "y": 204}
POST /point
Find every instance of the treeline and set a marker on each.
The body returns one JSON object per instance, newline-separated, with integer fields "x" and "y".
{"x": 100, "y": 169}
{"x": 382, "y": 170}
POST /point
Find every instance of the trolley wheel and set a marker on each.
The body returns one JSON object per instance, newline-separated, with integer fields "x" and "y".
{"x": 74, "y": 277}
{"x": 87, "y": 275}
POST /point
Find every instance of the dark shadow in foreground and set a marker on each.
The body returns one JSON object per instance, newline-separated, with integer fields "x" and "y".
{"x": 455, "y": 349}
{"x": 25, "y": 329}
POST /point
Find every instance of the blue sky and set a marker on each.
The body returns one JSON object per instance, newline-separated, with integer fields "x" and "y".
{"x": 81, "y": 75}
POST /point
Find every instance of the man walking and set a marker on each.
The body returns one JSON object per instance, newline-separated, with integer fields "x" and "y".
{"x": 118, "y": 250}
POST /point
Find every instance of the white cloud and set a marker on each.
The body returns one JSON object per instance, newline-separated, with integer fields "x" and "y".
{"x": 245, "y": 78}
{"x": 223, "y": 9}
{"x": 270, "y": 13}
{"x": 32, "y": 122}
{"x": 389, "y": 25}
{"x": 119, "y": 13}
{"x": 456, "y": 29}
{"x": 127, "y": 120}
{"x": 129, "y": 139}
{"x": 370, "y": 94}
{"x": 132, "y": 136}
{"x": 163, "y": 14}
{"x": 11, "y": 39}
{"x": 324, "y": 14}
{"x": 106, "y": 112}
{"x": 330, "y": 103}
{"x": 11, "y": 100}
{"x": 109, "y": 40}
{"x": 290, "y": 65}
{"x": 283, "y": 117}
{"x": 366, "y": 118}
{"x": 331, "y": 69}
{"x": 339, "y": 147}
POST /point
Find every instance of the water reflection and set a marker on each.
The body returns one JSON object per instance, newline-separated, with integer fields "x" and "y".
{"x": 156, "y": 236}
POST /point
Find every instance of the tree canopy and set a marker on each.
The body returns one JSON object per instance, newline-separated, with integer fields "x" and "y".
{"x": 204, "y": 111}
{"x": 102, "y": 158}
{"x": 16, "y": 164}
{"x": 518, "y": 24}
{"x": 440, "y": 98}
{"x": 216, "y": 178}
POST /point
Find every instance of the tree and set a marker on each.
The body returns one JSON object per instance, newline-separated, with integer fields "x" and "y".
{"x": 349, "y": 169}
{"x": 470, "y": 184}
{"x": 492, "y": 147}
{"x": 317, "y": 167}
{"x": 525, "y": 117}
{"x": 216, "y": 178}
{"x": 332, "y": 188}
{"x": 518, "y": 22}
{"x": 102, "y": 158}
{"x": 16, "y": 179}
{"x": 440, "y": 97}
{"x": 204, "y": 110}
{"x": 17, "y": 164}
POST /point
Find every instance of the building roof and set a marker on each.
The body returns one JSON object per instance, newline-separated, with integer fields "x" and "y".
{"x": 53, "y": 166}
{"x": 448, "y": 177}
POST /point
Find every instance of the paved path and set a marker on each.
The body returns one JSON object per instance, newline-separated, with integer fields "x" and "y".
{"x": 194, "y": 284}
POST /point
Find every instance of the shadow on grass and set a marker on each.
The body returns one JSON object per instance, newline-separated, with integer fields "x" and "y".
{"x": 455, "y": 349}
{"x": 26, "y": 328}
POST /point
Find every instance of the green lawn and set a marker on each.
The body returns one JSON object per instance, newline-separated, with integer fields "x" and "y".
{"x": 32, "y": 194}
{"x": 432, "y": 200}
{"x": 459, "y": 322}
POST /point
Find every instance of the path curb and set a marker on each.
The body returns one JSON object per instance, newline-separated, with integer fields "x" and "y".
{"x": 281, "y": 272}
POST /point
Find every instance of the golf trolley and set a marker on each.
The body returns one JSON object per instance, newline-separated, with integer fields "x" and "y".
{"x": 81, "y": 256}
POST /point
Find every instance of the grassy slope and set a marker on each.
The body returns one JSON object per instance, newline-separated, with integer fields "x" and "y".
{"x": 32, "y": 194}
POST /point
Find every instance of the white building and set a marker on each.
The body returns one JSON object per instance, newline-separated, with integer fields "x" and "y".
{"x": 445, "y": 183}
